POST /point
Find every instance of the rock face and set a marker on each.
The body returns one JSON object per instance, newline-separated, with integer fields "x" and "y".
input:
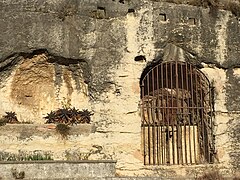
{"x": 93, "y": 54}
{"x": 40, "y": 83}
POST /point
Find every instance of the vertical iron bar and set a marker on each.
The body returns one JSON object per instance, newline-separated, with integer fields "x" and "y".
{"x": 203, "y": 128}
{"x": 149, "y": 122}
{"x": 187, "y": 102}
{"x": 143, "y": 121}
{"x": 198, "y": 124}
{"x": 189, "y": 137}
{"x": 157, "y": 143}
{"x": 177, "y": 110}
{"x": 163, "y": 115}
{"x": 182, "y": 104}
{"x": 178, "y": 131}
{"x": 168, "y": 119}
{"x": 158, "y": 116}
{"x": 194, "y": 106}
{"x": 192, "y": 121}
{"x": 172, "y": 112}
{"x": 162, "y": 145}
{"x": 153, "y": 116}
{"x": 206, "y": 128}
{"x": 178, "y": 134}
{"x": 211, "y": 120}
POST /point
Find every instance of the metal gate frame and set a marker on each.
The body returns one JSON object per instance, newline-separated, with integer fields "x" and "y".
{"x": 176, "y": 110}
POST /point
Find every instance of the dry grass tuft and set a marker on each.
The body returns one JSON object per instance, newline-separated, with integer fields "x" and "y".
{"x": 214, "y": 175}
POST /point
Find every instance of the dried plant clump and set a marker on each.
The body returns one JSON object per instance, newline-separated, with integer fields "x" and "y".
{"x": 50, "y": 117}
{"x": 25, "y": 156}
{"x": 2, "y": 122}
{"x": 214, "y": 175}
{"x": 69, "y": 116}
{"x": 18, "y": 175}
{"x": 10, "y": 117}
{"x": 63, "y": 129}
{"x": 85, "y": 116}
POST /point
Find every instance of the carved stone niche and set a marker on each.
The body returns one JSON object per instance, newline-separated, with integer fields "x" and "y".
{"x": 34, "y": 84}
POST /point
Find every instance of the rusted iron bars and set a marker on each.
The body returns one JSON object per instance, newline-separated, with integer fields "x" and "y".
{"x": 176, "y": 115}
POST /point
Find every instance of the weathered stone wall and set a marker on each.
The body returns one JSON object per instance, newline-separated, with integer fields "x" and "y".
{"x": 40, "y": 83}
{"x": 85, "y": 51}
{"x": 57, "y": 170}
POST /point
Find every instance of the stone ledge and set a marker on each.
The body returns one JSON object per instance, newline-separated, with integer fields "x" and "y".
{"x": 47, "y": 162}
{"x": 58, "y": 169}
{"x": 28, "y": 130}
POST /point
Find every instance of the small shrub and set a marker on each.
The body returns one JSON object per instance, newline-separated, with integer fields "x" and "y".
{"x": 75, "y": 156}
{"x": 2, "y": 122}
{"x": 214, "y": 175}
{"x": 10, "y": 117}
{"x": 85, "y": 116}
{"x": 69, "y": 116}
{"x": 18, "y": 175}
{"x": 25, "y": 156}
{"x": 66, "y": 103}
{"x": 63, "y": 129}
{"x": 26, "y": 122}
{"x": 50, "y": 117}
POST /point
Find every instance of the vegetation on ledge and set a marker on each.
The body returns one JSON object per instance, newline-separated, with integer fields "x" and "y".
{"x": 69, "y": 116}
{"x": 10, "y": 117}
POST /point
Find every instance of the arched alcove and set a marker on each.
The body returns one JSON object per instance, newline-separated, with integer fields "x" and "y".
{"x": 176, "y": 115}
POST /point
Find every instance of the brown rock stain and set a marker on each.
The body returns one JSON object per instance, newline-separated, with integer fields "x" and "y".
{"x": 138, "y": 155}
{"x": 33, "y": 82}
{"x": 68, "y": 80}
{"x": 135, "y": 87}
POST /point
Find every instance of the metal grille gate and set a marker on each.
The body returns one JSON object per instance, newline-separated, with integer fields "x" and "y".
{"x": 176, "y": 115}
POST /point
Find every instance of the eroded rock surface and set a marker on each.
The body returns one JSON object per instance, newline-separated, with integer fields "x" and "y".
{"x": 94, "y": 53}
